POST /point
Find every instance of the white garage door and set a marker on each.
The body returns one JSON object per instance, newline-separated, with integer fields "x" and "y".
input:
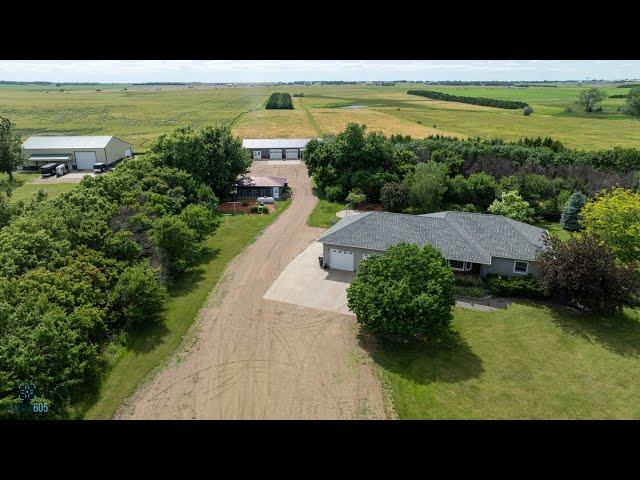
{"x": 341, "y": 260}
{"x": 275, "y": 154}
{"x": 85, "y": 160}
{"x": 291, "y": 153}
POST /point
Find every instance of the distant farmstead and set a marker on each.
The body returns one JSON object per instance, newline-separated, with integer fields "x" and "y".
{"x": 76, "y": 152}
{"x": 275, "y": 148}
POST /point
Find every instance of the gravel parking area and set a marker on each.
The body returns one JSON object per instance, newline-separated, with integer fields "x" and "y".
{"x": 71, "y": 177}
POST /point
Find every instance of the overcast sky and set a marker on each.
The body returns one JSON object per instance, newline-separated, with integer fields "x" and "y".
{"x": 291, "y": 70}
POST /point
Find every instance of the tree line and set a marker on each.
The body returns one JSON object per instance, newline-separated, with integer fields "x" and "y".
{"x": 279, "y": 100}
{"x": 487, "y": 102}
{"x": 94, "y": 264}
{"x": 532, "y": 178}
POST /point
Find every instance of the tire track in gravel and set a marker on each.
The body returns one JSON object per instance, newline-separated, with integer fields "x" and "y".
{"x": 261, "y": 359}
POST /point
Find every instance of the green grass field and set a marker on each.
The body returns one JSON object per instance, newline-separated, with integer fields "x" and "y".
{"x": 555, "y": 230}
{"x": 131, "y": 361}
{"x": 26, "y": 191}
{"x": 142, "y": 114}
{"x": 22, "y": 190}
{"x": 324, "y": 214}
{"x": 524, "y": 362}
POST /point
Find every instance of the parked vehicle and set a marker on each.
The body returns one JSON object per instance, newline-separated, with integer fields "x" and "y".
{"x": 61, "y": 170}
{"x": 100, "y": 167}
{"x": 48, "y": 169}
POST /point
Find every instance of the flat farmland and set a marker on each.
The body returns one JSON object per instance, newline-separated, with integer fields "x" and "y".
{"x": 140, "y": 115}
{"x": 274, "y": 124}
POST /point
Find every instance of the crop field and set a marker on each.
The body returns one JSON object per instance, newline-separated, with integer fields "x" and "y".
{"x": 140, "y": 115}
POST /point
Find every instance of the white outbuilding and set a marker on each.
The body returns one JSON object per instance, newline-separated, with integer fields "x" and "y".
{"x": 76, "y": 152}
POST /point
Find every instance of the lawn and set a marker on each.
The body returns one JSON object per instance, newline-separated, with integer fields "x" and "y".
{"x": 324, "y": 214}
{"x": 524, "y": 362}
{"x": 555, "y": 230}
{"x": 131, "y": 361}
{"x": 26, "y": 191}
{"x": 142, "y": 113}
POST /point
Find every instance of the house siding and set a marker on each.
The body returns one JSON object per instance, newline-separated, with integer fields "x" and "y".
{"x": 250, "y": 192}
{"x": 499, "y": 266}
{"x": 504, "y": 267}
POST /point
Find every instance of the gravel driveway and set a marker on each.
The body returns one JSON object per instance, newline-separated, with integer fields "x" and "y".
{"x": 261, "y": 359}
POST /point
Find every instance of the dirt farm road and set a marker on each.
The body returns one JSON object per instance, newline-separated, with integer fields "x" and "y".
{"x": 261, "y": 359}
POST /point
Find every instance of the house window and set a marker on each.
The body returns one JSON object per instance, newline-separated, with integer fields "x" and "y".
{"x": 521, "y": 267}
{"x": 456, "y": 264}
{"x": 257, "y": 154}
{"x": 460, "y": 265}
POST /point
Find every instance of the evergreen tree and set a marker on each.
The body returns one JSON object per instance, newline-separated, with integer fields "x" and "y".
{"x": 571, "y": 215}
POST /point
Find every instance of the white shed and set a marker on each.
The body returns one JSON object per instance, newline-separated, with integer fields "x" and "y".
{"x": 78, "y": 152}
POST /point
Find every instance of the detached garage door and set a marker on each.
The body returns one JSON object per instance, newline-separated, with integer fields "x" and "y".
{"x": 291, "y": 153}
{"x": 275, "y": 154}
{"x": 341, "y": 260}
{"x": 85, "y": 160}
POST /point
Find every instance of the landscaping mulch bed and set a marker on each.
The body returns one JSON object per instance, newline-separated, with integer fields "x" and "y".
{"x": 369, "y": 207}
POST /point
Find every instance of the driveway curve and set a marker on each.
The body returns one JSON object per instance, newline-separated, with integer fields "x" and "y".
{"x": 261, "y": 359}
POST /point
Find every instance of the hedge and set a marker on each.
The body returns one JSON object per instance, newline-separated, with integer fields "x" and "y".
{"x": 279, "y": 100}
{"x": 487, "y": 102}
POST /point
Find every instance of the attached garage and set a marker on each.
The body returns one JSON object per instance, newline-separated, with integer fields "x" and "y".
{"x": 77, "y": 152}
{"x": 342, "y": 260}
{"x": 85, "y": 160}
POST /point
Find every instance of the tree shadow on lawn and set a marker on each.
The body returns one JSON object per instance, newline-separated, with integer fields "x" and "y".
{"x": 424, "y": 363}
{"x": 192, "y": 276}
{"x": 145, "y": 339}
{"x": 618, "y": 332}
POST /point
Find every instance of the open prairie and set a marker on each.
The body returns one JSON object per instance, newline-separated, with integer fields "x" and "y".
{"x": 139, "y": 115}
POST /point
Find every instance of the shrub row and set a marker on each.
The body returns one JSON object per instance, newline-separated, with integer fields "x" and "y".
{"x": 526, "y": 287}
{"x": 487, "y": 102}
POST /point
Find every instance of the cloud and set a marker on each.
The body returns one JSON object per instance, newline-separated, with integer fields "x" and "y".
{"x": 289, "y": 70}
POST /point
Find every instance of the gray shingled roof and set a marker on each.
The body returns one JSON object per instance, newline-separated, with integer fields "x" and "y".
{"x": 64, "y": 141}
{"x": 470, "y": 237}
{"x": 250, "y": 181}
{"x": 275, "y": 142}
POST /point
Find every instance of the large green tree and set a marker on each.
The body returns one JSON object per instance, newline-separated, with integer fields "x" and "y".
{"x": 212, "y": 155}
{"x": 589, "y": 100}
{"x": 615, "y": 218}
{"x": 633, "y": 102}
{"x": 427, "y": 186}
{"x": 570, "y": 219}
{"x": 352, "y": 159}
{"x": 586, "y": 273}
{"x": 10, "y": 148}
{"x": 512, "y": 205}
{"x": 407, "y": 292}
